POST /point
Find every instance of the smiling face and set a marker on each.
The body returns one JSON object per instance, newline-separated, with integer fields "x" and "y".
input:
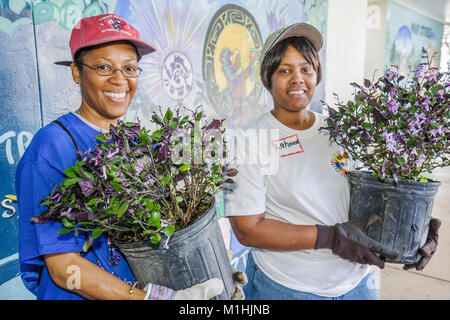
{"x": 106, "y": 98}
{"x": 293, "y": 83}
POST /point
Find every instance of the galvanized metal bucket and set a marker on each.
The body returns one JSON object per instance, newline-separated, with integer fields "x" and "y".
{"x": 404, "y": 208}
{"x": 196, "y": 253}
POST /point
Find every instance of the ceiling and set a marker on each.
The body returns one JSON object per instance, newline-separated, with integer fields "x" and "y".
{"x": 436, "y": 8}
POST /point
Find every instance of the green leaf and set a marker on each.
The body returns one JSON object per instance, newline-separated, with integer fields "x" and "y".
{"x": 366, "y": 125}
{"x": 117, "y": 186}
{"x": 401, "y": 160}
{"x": 93, "y": 202}
{"x": 169, "y": 230}
{"x": 184, "y": 120}
{"x": 184, "y": 167}
{"x": 102, "y": 137}
{"x": 122, "y": 209}
{"x": 148, "y": 204}
{"x": 154, "y": 219}
{"x": 144, "y": 137}
{"x": 156, "y": 136}
{"x": 67, "y": 223}
{"x": 87, "y": 244}
{"x": 89, "y": 175}
{"x": 146, "y": 232}
{"x": 155, "y": 238}
{"x": 65, "y": 230}
{"x": 70, "y": 172}
{"x": 168, "y": 116}
{"x": 47, "y": 203}
{"x": 70, "y": 182}
{"x": 165, "y": 180}
{"x": 136, "y": 228}
{"x": 96, "y": 233}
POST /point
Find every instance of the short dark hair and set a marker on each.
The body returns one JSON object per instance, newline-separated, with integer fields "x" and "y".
{"x": 273, "y": 58}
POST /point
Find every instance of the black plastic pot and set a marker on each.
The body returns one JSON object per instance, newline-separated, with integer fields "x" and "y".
{"x": 404, "y": 208}
{"x": 196, "y": 253}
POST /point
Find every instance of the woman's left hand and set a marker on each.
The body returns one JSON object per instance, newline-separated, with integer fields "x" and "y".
{"x": 240, "y": 278}
{"x": 428, "y": 250}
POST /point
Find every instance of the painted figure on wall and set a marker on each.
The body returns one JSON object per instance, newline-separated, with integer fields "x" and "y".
{"x": 237, "y": 76}
{"x": 402, "y": 50}
{"x": 231, "y": 63}
{"x": 407, "y": 34}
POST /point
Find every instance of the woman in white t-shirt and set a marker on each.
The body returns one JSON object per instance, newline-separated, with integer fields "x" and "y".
{"x": 293, "y": 209}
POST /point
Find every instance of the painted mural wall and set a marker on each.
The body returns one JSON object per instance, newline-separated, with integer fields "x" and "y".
{"x": 207, "y": 54}
{"x": 407, "y": 32}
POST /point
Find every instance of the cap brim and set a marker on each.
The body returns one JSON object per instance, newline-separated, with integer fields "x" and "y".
{"x": 299, "y": 30}
{"x": 304, "y": 30}
{"x": 142, "y": 47}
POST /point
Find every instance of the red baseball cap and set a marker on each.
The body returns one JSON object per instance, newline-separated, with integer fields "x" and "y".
{"x": 105, "y": 28}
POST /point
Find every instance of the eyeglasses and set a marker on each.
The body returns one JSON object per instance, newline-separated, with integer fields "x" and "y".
{"x": 108, "y": 70}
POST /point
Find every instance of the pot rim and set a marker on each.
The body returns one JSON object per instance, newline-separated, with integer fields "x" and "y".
{"x": 359, "y": 174}
{"x": 179, "y": 235}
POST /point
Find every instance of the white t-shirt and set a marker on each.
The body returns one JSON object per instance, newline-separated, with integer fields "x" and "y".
{"x": 304, "y": 184}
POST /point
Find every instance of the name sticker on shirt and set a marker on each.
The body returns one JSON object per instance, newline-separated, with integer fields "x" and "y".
{"x": 288, "y": 146}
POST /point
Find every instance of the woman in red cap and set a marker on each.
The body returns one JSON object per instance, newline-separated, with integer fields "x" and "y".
{"x": 105, "y": 51}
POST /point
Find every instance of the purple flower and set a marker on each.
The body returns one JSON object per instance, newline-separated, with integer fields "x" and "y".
{"x": 426, "y": 103}
{"x": 419, "y": 70}
{"x": 97, "y": 159}
{"x": 78, "y": 215}
{"x": 436, "y": 131}
{"x": 421, "y": 158}
{"x": 104, "y": 172}
{"x": 140, "y": 165}
{"x": 393, "y": 106}
{"x": 56, "y": 197}
{"x": 163, "y": 152}
{"x": 166, "y": 243}
{"x": 420, "y": 119}
{"x": 391, "y": 144}
{"x": 413, "y": 130}
{"x": 112, "y": 154}
{"x": 390, "y": 74}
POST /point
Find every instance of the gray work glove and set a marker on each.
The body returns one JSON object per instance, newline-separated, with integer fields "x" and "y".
{"x": 202, "y": 291}
{"x": 349, "y": 241}
{"x": 429, "y": 248}
{"x": 240, "y": 278}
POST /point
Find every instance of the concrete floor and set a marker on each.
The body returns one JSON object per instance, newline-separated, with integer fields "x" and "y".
{"x": 434, "y": 281}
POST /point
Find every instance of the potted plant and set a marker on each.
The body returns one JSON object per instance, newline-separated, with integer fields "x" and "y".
{"x": 152, "y": 192}
{"x": 397, "y": 128}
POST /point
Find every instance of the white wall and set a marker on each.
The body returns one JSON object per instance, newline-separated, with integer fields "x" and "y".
{"x": 346, "y": 41}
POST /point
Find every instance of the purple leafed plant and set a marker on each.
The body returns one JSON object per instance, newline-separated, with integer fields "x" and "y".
{"x": 139, "y": 184}
{"x": 398, "y": 127}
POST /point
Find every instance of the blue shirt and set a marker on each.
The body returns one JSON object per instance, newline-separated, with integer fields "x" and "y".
{"x": 40, "y": 169}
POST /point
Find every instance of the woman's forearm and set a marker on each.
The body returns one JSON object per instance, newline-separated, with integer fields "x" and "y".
{"x": 259, "y": 232}
{"x": 72, "y": 272}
